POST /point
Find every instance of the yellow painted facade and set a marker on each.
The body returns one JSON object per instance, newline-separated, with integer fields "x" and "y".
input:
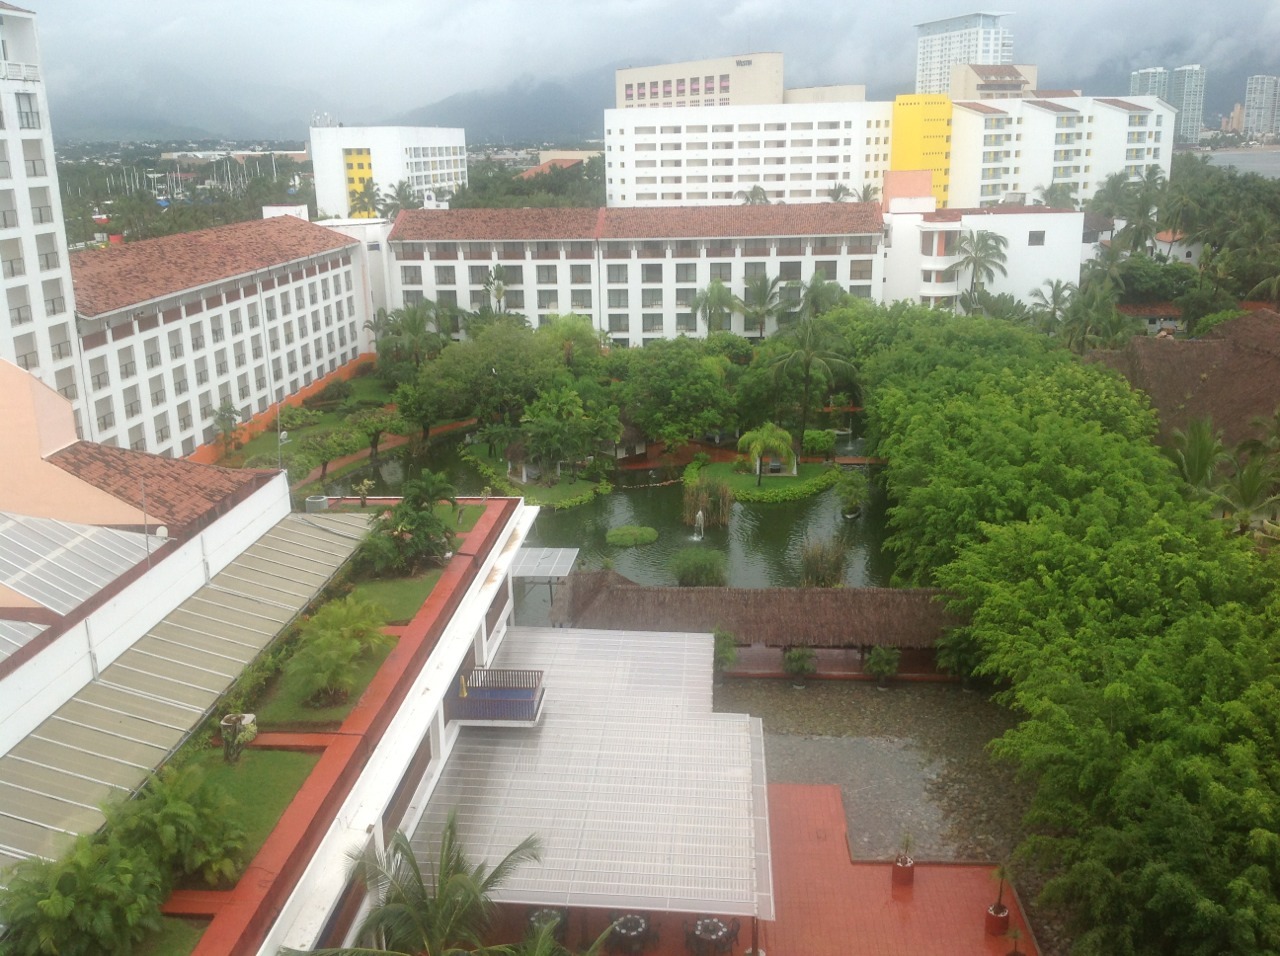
{"x": 922, "y": 138}
{"x": 359, "y": 167}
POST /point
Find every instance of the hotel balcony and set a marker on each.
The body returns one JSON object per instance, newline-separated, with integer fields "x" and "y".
{"x": 496, "y": 698}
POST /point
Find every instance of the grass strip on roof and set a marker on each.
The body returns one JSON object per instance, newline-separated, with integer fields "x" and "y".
{"x": 283, "y": 705}
{"x": 176, "y": 937}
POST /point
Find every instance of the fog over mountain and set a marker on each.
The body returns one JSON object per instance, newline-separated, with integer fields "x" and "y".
{"x": 512, "y": 70}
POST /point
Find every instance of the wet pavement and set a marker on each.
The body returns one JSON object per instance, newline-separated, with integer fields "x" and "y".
{"x": 909, "y": 759}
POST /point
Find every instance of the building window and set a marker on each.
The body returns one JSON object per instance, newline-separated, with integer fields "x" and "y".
{"x": 651, "y": 298}
{"x": 651, "y": 272}
{"x": 547, "y": 299}
{"x": 617, "y": 298}
{"x": 617, "y": 273}
{"x": 411, "y": 275}
{"x": 580, "y": 298}
{"x": 445, "y": 275}
{"x": 580, "y": 275}
{"x": 686, "y": 272}
{"x": 752, "y": 269}
{"x": 722, "y": 271}
{"x": 1035, "y": 237}
{"x": 478, "y": 275}
{"x": 514, "y": 299}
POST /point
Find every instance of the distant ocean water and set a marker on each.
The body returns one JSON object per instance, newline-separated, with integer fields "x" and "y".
{"x": 1264, "y": 162}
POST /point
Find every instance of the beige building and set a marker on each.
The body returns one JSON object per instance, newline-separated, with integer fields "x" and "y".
{"x": 744, "y": 80}
{"x": 978, "y": 81}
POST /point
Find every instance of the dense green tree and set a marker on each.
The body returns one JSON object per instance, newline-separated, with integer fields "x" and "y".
{"x": 761, "y": 301}
{"x": 402, "y": 196}
{"x": 768, "y": 439}
{"x": 715, "y": 305}
{"x": 1197, "y": 455}
{"x": 810, "y": 351}
{"x": 675, "y": 392}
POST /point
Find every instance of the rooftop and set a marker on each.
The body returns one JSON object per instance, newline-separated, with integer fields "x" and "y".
{"x": 955, "y": 215}
{"x": 171, "y": 491}
{"x": 1051, "y": 106}
{"x": 697, "y": 222}
{"x": 1123, "y": 105}
{"x": 983, "y": 108}
{"x": 119, "y": 276}
{"x": 550, "y": 164}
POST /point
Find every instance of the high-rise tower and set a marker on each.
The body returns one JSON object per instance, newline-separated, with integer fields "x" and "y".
{"x": 973, "y": 38}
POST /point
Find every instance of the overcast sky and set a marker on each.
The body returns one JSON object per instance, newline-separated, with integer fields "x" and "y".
{"x": 380, "y": 57}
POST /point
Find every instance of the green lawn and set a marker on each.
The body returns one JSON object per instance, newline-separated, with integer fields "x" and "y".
{"x": 177, "y": 937}
{"x": 738, "y": 482}
{"x": 283, "y": 705}
{"x": 399, "y": 597}
{"x": 263, "y": 783}
{"x": 537, "y": 492}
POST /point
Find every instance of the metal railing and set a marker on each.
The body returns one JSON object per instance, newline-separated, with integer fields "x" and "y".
{"x": 61, "y": 350}
{"x": 21, "y": 71}
{"x": 42, "y": 214}
{"x": 36, "y": 167}
{"x": 49, "y": 260}
{"x": 20, "y": 315}
{"x": 496, "y": 695}
{"x": 28, "y": 360}
{"x": 13, "y": 267}
{"x": 55, "y": 306}
{"x": 28, "y": 119}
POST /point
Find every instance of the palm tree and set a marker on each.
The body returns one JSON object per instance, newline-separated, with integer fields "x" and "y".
{"x": 442, "y": 911}
{"x": 1249, "y": 494}
{"x": 755, "y": 196}
{"x": 839, "y": 192}
{"x": 808, "y": 352}
{"x": 412, "y": 334}
{"x": 982, "y": 255}
{"x": 495, "y": 284}
{"x": 761, "y": 301}
{"x": 1110, "y": 198}
{"x": 1197, "y": 454}
{"x": 819, "y": 295}
{"x": 402, "y": 196}
{"x": 377, "y": 325}
{"x": 365, "y": 203}
{"x": 716, "y": 304}
{"x": 1051, "y": 302}
{"x": 427, "y": 490}
{"x": 1057, "y": 195}
{"x": 768, "y": 439}
{"x": 870, "y": 192}
{"x": 1090, "y": 317}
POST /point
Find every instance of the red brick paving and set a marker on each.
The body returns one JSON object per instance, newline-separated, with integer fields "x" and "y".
{"x": 829, "y": 906}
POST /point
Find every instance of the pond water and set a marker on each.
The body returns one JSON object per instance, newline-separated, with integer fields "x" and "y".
{"x": 762, "y": 542}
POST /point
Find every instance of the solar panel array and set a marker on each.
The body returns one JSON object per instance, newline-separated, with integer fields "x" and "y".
{"x": 103, "y": 741}
{"x": 641, "y": 795}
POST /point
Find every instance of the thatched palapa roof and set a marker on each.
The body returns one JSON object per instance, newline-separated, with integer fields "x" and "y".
{"x": 776, "y": 617}
{"x": 1231, "y": 375}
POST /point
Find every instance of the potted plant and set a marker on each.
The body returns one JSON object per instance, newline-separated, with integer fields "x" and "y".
{"x": 997, "y": 912}
{"x": 798, "y": 663}
{"x": 904, "y": 867}
{"x": 1014, "y": 935}
{"x": 362, "y": 489}
{"x": 725, "y": 654}
{"x": 882, "y": 663}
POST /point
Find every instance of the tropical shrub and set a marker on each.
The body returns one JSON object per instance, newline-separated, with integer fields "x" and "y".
{"x": 333, "y": 640}
{"x": 294, "y": 416}
{"x": 852, "y": 487}
{"x": 185, "y": 824}
{"x": 819, "y": 441}
{"x": 822, "y": 563}
{"x": 630, "y": 535}
{"x": 699, "y": 567}
{"x": 101, "y": 897}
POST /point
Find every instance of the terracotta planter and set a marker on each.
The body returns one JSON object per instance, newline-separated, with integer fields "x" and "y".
{"x": 904, "y": 872}
{"x": 997, "y": 920}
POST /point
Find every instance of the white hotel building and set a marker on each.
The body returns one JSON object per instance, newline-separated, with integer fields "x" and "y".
{"x": 37, "y": 322}
{"x": 1020, "y": 145}
{"x": 796, "y": 152}
{"x": 635, "y": 272}
{"x": 430, "y": 158}
{"x": 173, "y": 328}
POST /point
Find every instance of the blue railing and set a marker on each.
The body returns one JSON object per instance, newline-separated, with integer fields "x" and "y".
{"x": 497, "y": 695}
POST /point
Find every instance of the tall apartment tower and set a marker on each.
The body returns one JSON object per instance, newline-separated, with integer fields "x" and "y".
{"x": 1186, "y": 95}
{"x": 1261, "y": 102}
{"x": 973, "y": 38}
{"x": 1153, "y": 81}
{"x": 39, "y": 332}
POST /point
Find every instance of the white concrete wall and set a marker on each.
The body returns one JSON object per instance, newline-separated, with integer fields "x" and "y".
{"x": 373, "y": 264}
{"x": 753, "y": 78}
{"x": 51, "y": 677}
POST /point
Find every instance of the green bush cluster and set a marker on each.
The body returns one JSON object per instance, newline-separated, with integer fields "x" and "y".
{"x": 104, "y": 894}
{"x": 819, "y": 441}
{"x": 630, "y": 535}
{"x": 699, "y": 568}
{"x": 822, "y": 563}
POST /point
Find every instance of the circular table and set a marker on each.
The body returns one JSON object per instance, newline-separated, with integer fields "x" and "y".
{"x": 548, "y": 916}
{"x": 630, "y": 926}
{"x": 711, "y": 930}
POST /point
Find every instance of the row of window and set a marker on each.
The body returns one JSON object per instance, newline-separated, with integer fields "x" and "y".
{"x": 777, "y": 127}
{"x": 695, "y": 85}
{"x": 623, "y": 249}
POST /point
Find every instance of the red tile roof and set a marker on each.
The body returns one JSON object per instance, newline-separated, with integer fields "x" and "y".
{"x": 699, "y": 222}
{"x": 182, "y": 495}
{"x": 982, "y": 108}
{"x": 993, "y": 72}
{"x": 563, "y": 162}
{"x": 119, "y": 276}
{"x": 1051, "y": 106}
{"x": 1124, "y": 105}
{"x": 665, "y": 222}
{"x": 493, "y": 225}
